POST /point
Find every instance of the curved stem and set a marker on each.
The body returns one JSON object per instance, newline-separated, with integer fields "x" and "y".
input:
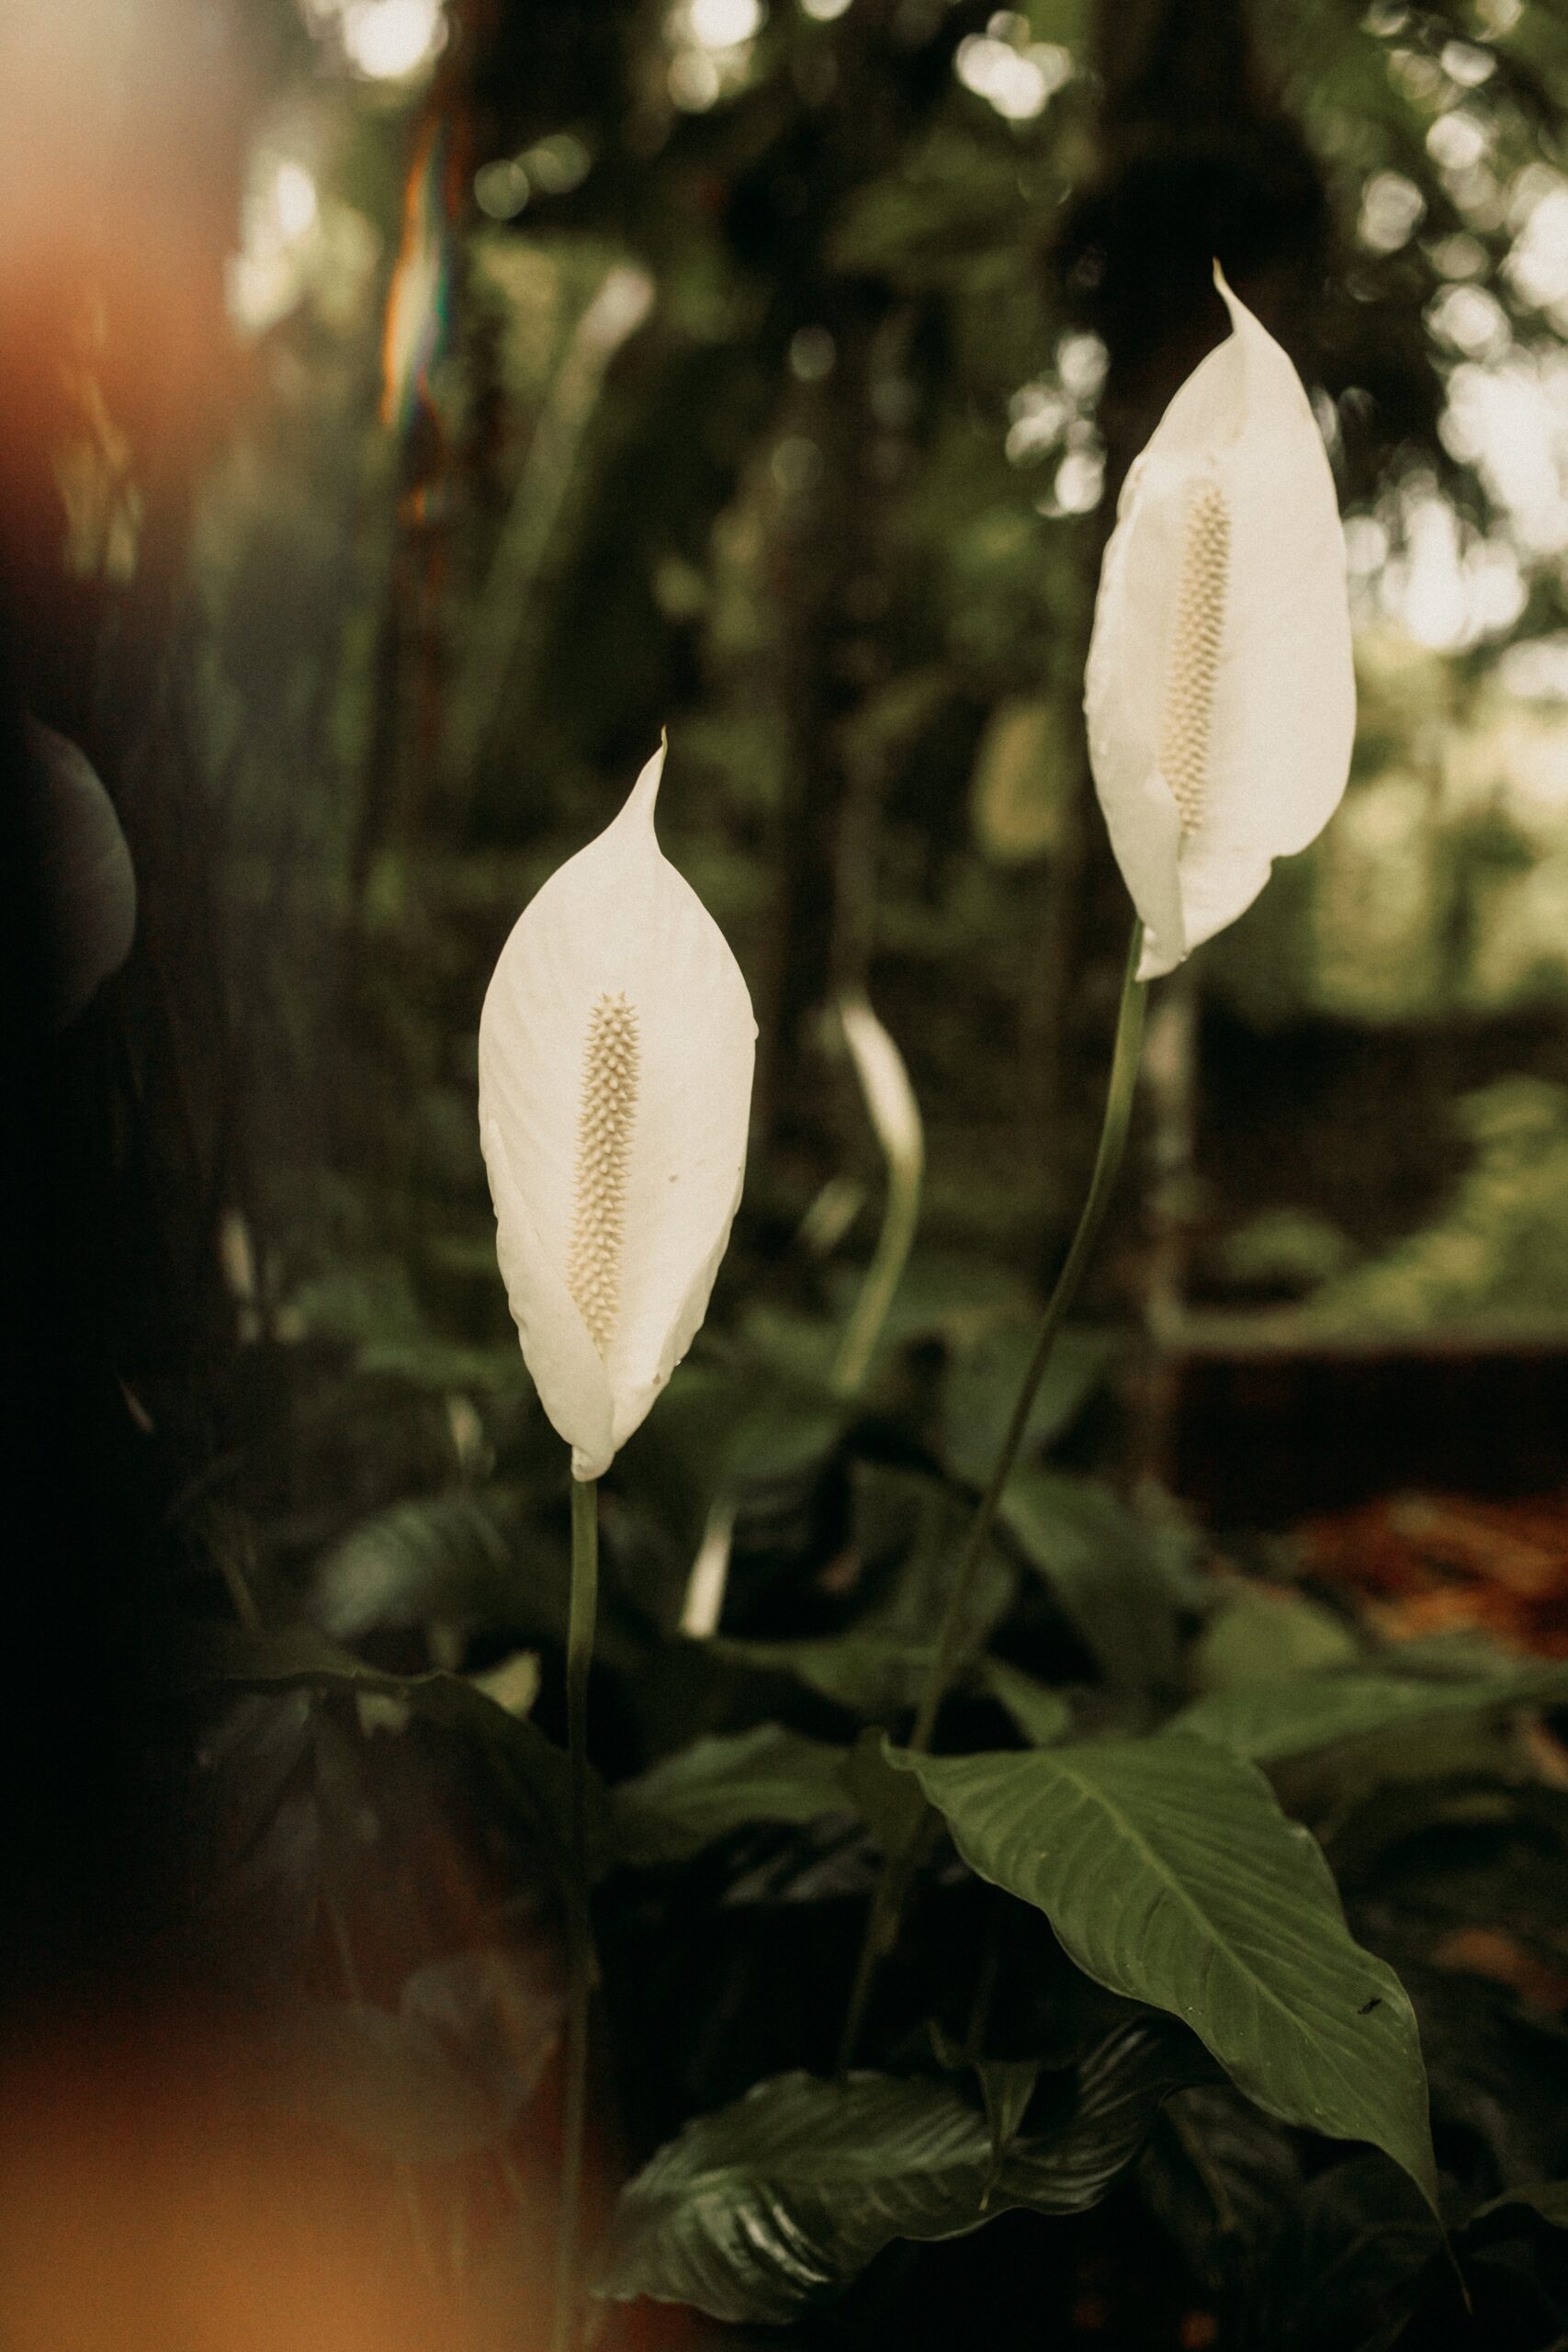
{"x": 579, "y": 1931}
{"x": 887, "y": 1901}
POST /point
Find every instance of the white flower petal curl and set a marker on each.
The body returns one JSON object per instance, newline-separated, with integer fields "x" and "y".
{"x": 1220, "y": 692}
{"x": 609, "y": 1258}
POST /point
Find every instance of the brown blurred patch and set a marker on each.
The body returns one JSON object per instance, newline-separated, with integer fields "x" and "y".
{"x": 1493, "y": 1951}
{"x": 1426, "y": 1564}
{"x": 153, "y": 2202}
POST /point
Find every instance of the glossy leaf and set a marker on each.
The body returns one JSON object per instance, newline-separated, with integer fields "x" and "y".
{"x": 778, "y": 2201}
{"x": 1170, "y": 1875}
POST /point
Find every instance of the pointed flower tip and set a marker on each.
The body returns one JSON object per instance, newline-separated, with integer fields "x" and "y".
{"x": 1240, "y": 316}
{"x": 645, "y": 791}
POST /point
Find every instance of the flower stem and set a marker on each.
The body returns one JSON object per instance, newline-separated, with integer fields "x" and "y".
{"x": 887, "y": 1901}
{"x": 579, "y": 1931}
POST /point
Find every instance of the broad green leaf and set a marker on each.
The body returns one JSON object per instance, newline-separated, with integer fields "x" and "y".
{"x": 1170, "y": 1875}
{"x": 1122, "y": 1584}
{"x": 1296, "y": 1714}
{"x": 690, "y": 1799}
{"x": 778, "y": 2201}
{"x": 870, "y": 1674}
{"x": 948, "y": 1294}
{"x": 924, "y": 224}
{"x": 985, "y": 1376}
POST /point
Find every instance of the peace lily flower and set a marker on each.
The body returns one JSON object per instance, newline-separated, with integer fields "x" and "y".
{"x": 1220, "y": 694}
{"x": 615, "y": 1053}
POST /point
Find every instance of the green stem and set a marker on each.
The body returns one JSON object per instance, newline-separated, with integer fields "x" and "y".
{"x": 579, "y": 1931}
{"x": 887, "y": 1901}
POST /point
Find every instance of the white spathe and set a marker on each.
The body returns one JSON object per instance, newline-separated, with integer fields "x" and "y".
{"x": 884, "y": 1083}
{"x": 616, "y": 1055}
{"x": 1220, "y": 692}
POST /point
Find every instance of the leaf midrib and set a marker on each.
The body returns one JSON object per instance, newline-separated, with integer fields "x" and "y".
{"x": 1095, "y": 1794}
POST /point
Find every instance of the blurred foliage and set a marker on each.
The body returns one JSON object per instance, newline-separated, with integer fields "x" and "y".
{"x": 1500, "y": 1249}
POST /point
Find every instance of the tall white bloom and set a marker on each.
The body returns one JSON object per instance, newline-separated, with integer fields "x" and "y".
{"x": 896, "y": 1117}
{"x": 616, "y": 1054}
{"x": 1220, "y": 694}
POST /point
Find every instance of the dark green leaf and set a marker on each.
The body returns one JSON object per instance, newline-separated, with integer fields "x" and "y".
{"x": 1042, "y": 1715}
{"x": 533, "y": 1770}
{"x": 1220, "y": 2175}
{"x": 1170, "y": 1875}
{"x": 1121, "y": 2085}
{"x": 1007, "y": 2085}
{"x": 781, "y": 2199}
{"x": 1121, "y": 1583}
{"x": 1545, "y": 2200}
{"x": 439, "y": 1556}
{"x": 716, "y": 1785}
{"x": 1346, "y": 2266}
{"x": 907, "y": 1528}
{"x": 785, "y": 2197}
{"x": 985, "y": 1376}
{"x": 888, "y": 1801}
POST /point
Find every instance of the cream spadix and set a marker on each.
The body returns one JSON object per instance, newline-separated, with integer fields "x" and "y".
{"x": 615, "y": 1055}
{"x": 1220, "y": 694}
